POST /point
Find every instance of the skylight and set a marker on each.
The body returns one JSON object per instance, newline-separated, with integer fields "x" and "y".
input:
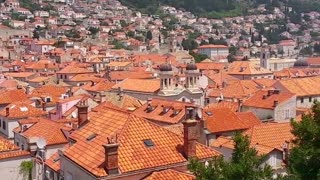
{"x": 209, "y": 113}
{"x": 91, "y": 137}
{"x": 148, "y": 143}
{"x": 56, "y": 159}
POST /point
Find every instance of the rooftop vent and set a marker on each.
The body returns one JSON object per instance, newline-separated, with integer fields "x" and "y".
{"x": 91, "y": 137}
{"x": 148, "y": 143}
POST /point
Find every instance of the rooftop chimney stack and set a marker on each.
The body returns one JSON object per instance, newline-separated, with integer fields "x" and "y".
{"x": 7, "y": 111}
{"x": 275, "y": 103}
{"x": 189, "y": 138}
{"x": 44, "y": 106}
{"x": 240, "y": 102}
{"x": 82, "y": 112}
{"x": 111, "y": 164}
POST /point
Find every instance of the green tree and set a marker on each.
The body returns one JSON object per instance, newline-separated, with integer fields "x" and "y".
{"x": 304, "y": 157}
{"x": 36, "y": 34}
{"x": 245, "y": 164}
{"x": 26, "y": 169}
{"x": 94, "y": 30}
{"x": 123, "y": 23}
{"x": 149, "y": 35}
{"x": 131, "y": 34}
{"x": 198, "y": 57}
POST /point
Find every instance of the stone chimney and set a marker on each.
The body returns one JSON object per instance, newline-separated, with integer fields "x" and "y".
{"x": 275, "y": 103}
{"x": 111, "y": 164}
{"x": 189, "y": 138}
{"x": 7, "y": 111}
{"x": 82, "y": 112}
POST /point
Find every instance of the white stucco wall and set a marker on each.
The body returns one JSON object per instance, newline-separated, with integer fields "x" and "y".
{"x": 9, "y": 168}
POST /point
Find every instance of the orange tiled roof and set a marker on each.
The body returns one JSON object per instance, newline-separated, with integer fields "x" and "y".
{"x": 121, "y": 75}
{"x": 54, "y": 162}
{"x": 21, "y": 110}
{"x": 100, "y": 86}
{"x": 140, "y": 85}
{"x": 52, "y": 91}
{"x": 74, "y": 70}
{"x": 166, "y": 111}
{"x": 233, "y": 106}
{"x": 40, "y": 79}
{"x": 51, "y": 131}
{"x": 133, "y": 154}
{"x": 245, "y": 68}
{"x": 224, "y": 120}
{"x": 301, "y": 86}
{"x": 85, "y": 78}
{"x": 264, "y": 137}
{"x": 19, "y": 74}
{"x": 210, "y": 66}
{"x": 262, "y": 100}
{"x": 8, "y": 97}
{"x": 126, "y": 102}
{"x": 237, "y": 89}
{"x": 270, "y": 134}
{"x": 9, "y": 150}
{"x": 170, "y": 174}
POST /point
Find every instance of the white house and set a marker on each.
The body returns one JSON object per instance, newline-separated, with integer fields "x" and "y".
{"x": 213, "y": 51}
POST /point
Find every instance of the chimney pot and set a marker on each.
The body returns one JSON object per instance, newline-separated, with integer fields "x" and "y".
{"x": 189, "y": 138}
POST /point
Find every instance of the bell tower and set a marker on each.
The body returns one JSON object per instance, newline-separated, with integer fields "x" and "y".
{"x": 264, "y": 58}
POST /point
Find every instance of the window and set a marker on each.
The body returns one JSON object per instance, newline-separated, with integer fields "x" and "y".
{"x": 310, "y": 99}
{"x": 287, "y": 113}
{"x": 301, "y": 100}
{"x": 22, "y": 147}
{"x": 4, "y": 125}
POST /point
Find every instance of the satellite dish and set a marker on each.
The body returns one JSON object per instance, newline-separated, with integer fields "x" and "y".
{"x": 41, "y": 143}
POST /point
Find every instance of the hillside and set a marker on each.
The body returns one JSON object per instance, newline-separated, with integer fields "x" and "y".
{"x": 219, "y": 8}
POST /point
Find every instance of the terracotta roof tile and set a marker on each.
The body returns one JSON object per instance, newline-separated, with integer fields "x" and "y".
{"x": 121, "y": 75}
{"x": 170, "y": 174}
{"x": 224, "y": 120}
{"x": 237, "y": 89}
{"x": 301, "y": 86}
{"x": 262, "y": 100}
{"x": 98, "y": 87}
{"x": 51, "y": 131}
{"x": 245, "y": 68}
{"x": 133, "y": 154}
{"x": 74, "y": 70}
{"x": 166, "y": 111}
{"x": 21, "y": 110}
{"x": 233, "y": 106}
{"x": 8, "y": 97}
{"x": 263, "y": 137}
{"x": 140, "y": 85}
{"x": 54, "y": 162}
{"x": 125, "y": 102}
{"x": 10, "y": 150}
